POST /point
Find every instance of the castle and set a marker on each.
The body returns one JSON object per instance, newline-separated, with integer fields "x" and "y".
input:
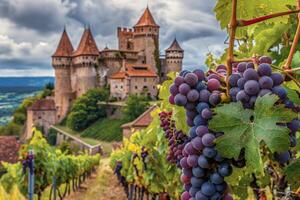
{"x": 135, "y": 67}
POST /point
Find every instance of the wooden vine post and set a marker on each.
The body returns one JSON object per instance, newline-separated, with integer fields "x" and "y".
{"x": 235, "y": 23}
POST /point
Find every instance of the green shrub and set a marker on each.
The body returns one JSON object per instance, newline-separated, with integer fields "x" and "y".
{"x": 11, "y": 129}
{"x": 86, "y": 109}
{"x": 19, "y": 117}
{"x": 135, "y": 106}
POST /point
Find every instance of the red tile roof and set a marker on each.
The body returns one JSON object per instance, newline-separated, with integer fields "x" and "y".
{"x": 64, "y": 48}
{"x": 87, "y": 45}
{"x": 146, "y": 19}
{"x": 143, "y": 120}
{"x": 135, "y": 70}
{"x": 9, "y": 148}
{"x": 43, "y": 104}
{"x": 174, "y": 46}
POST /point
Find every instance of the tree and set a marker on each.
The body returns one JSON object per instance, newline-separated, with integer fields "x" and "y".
{"x": 86, "y": 109}
{"x": 135, "y": 106}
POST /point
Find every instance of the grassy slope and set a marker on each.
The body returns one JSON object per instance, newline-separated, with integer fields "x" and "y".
{"x": 105, "y": 130}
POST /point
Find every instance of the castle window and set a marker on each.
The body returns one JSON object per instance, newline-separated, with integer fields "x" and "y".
{"x": 40, "y": 117}
{"x": 116, "y": 86}
{"x": 145, "y": 79}
{"x": 153, "y": 87}
{"x": 142, "y": 29}
{"x": 121, "y": 87}
{"x": 136, "y": 87}
{"x": 149, "y": 29}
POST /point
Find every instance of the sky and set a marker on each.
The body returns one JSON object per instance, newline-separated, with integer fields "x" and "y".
{"x": 30, "y": 29}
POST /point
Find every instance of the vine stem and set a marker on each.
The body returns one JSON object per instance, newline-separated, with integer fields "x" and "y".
{"x": 294, "y": 44}
{"x": 243, "y": 22}
{"x": 293, "y": 69}
{"x": 232, "y": 29}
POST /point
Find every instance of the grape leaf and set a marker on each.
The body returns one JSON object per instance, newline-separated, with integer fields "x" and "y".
{"x": 293, "y": 95}
{"x": 246, "y": 129}
{"x": 296, "y": 61}
{"x": 292, "y": 172}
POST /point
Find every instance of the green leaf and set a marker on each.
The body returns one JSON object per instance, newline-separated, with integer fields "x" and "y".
{"x": 246, "y": 129}
{"x": 296, "y": 61}
{"x": 293, "y": 95}
{"x": 292, "y": 172}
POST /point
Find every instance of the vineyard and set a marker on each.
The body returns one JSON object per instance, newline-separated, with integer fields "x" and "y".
{"x": 52, "y": 169}
{"x": 230, "y": 132}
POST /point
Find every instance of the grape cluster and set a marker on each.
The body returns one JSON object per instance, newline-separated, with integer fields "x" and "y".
{"x": 144, "y": 155}
{"x": 203, "y": 168}
{"x": 247, "y": 84}
{"x": 121, "y": 178}
{"x": 177, "y": 139}
{"x": 28, "y": 163}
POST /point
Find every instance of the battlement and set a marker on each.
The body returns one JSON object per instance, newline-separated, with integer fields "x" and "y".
{"x": 125, "y": 31}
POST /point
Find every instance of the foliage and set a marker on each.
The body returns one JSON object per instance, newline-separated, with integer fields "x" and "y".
{"x": 14, "y": 194}
{"x": 105, "y": 130}
{"x": 49, "y": 162}
{"x": 52, "y": 135}
{"x": 11, "y": 129}
{"x": 135, "y": 106}
{"x": 86, "y": 109}
{"x": 246, "y": 129}
{"x": 272, "y": 37}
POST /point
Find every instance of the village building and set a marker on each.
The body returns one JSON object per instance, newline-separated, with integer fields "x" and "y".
{"x": 139, "y": 123}
{"x": 41, "y": 114}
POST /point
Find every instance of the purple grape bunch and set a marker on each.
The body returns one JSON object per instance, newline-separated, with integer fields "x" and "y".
{"x": 176, "y": 139}
{"x": 248, "y": 83}
{"x": 203, "y": 168}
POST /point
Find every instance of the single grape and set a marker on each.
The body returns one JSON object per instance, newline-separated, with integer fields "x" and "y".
{"x": 192, "y": 160}
{"x": 242, "y": 67}
{"x": 185, "y": 196}
{"x": 184, "y": 88}
{"x": 203, "y": 162}
{"x": 251, "y": 87}
{"x": 265, "y": 59}
{"x": 193, "y": 95}
{"x": 216, "y": 178}
{"x": 191, "y": 79}
{"x": 241, "y": 82}
{"x": 183, "y": 163}
{"x": 242, "y": 96}
{"x": 178, "y": 81}
{"x": 204, "y": 95}
{"x": 206, "y": 113}
{"x": 221, "y": 67}
{"x": 264, "y": 69}
{"x": 250, "y": 74}
{"x": 193, "y": 190}
{"x": 209, "y": 152}
{"x": 233, "y": 79}
{"x": 208, "y": 189}
{"x": 180, "y": 100}
{"x": 190, "y": 106}
{"x": 233, "y": 92}
{"x": 199, "y": 172}
{"x": 171, "y": 99}
{"x": 277, "y": 79}
{"x": 200, "y": 196}
{"x": 208, "y": 140}
{"x": 225, "y": 169}
{"x": 250, "y": 65}
{"x": 221, "y": 187}
{"x": 266, "y": 82}
{"x": 197, "y": 143}
{"x": 213, "y": 84}
{"x": 214, "y": 99}
{"x": 201, "y": 106}
{"x": 294, "y": 125}
{"x": 187, "y": 172}
{"x": 185, "y": 179}
{"x": 173, "y": 89}
{"x": 196, "y": 182}
{"x": 201, "y": 130}
{"x": 198, "y": 120}
{"x": 283, "y": 157}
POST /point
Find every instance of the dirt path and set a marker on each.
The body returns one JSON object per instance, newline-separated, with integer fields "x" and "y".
{"x": 102, "y": 186}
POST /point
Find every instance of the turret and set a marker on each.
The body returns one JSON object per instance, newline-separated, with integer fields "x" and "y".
{"x": 146, "y": 38}
{"x": 61, "y": 62}
{"x": 174, "y": 57}
{"x": 85, "y": 58}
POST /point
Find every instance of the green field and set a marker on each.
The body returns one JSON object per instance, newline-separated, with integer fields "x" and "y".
{"x": 105, "y": 130}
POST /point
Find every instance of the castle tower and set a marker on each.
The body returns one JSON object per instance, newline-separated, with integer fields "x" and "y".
{"x": 174, "y": 57}
{"x": 61, "y": 62}
{"x": 85, "y": 59}
{"x": 146, "y": 39}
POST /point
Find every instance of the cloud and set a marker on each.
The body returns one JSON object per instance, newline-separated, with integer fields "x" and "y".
{"x": 31, "y": 29}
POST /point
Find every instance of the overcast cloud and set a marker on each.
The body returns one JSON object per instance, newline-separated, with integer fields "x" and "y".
{"x": 31, "y": 29}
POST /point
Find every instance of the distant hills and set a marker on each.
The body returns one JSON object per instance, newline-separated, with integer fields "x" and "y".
{"x": 26, "y": 82}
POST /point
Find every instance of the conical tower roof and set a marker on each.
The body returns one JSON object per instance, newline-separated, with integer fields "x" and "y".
{"x": 87, "y": 45}
{"x": 64, "y": 48}
{"x": 146, "y": 19}
{"x": 174, "y": 46}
